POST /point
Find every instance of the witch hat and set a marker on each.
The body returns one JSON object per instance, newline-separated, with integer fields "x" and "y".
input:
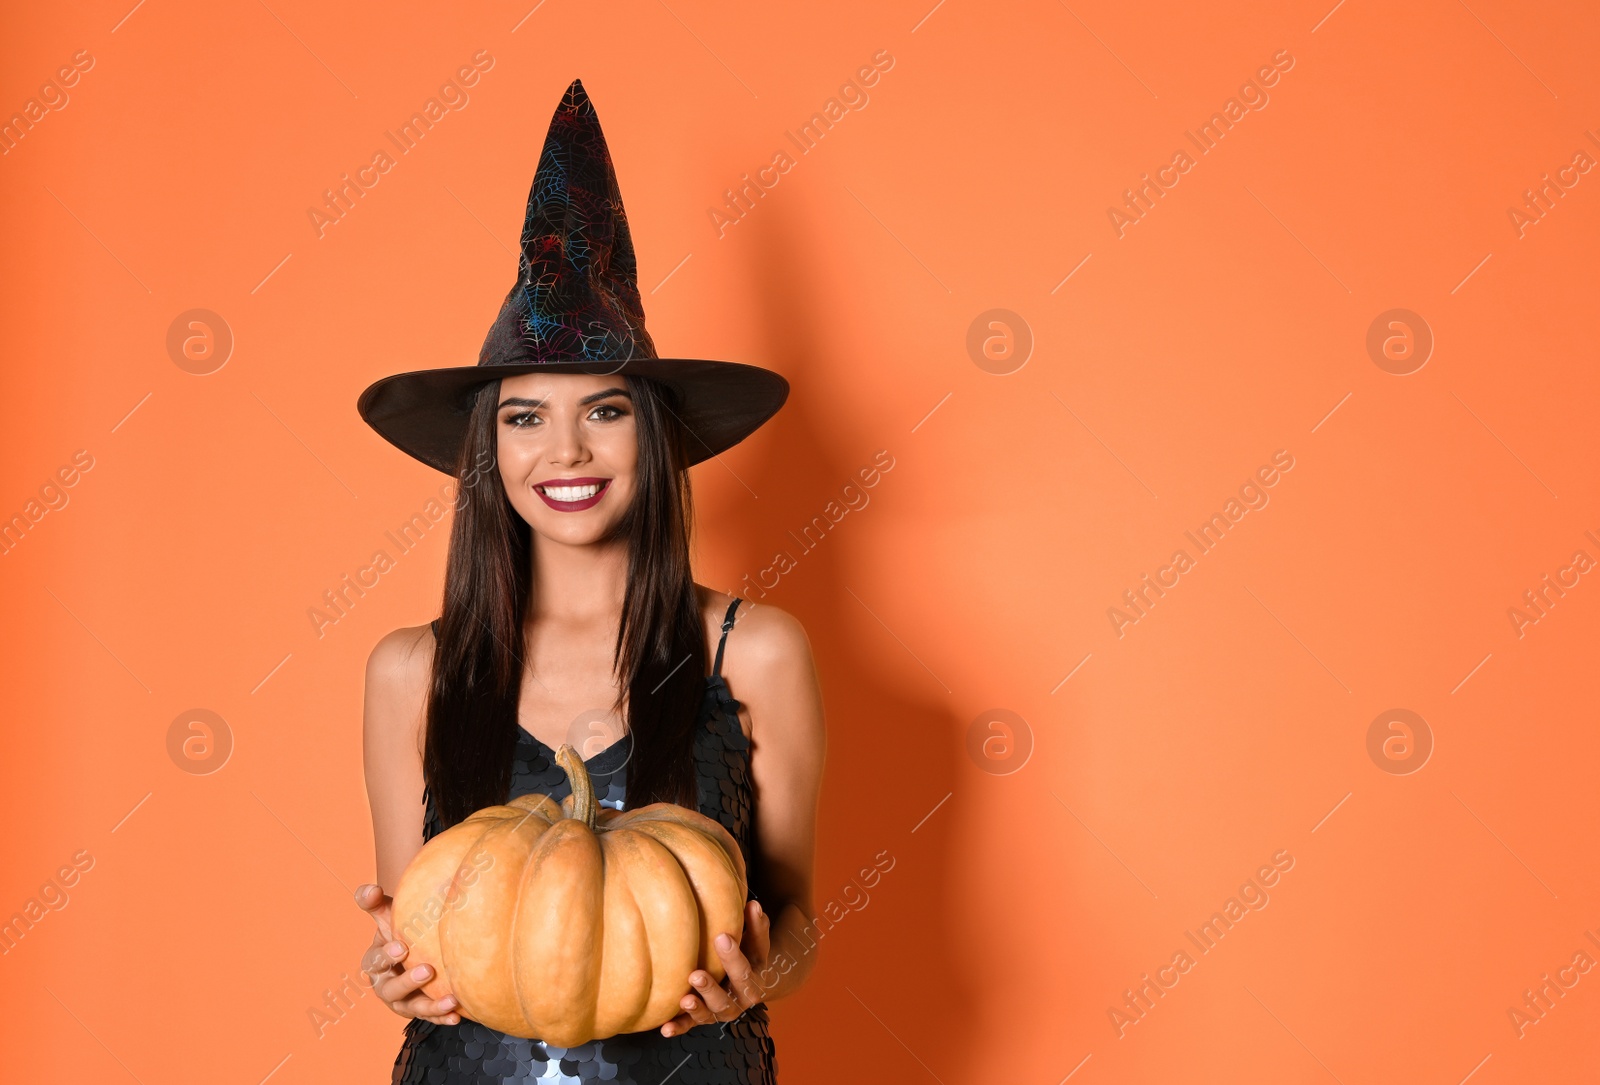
{"x": 574, "y": 308}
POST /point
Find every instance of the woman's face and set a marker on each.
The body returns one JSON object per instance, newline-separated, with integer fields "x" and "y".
{"x": 568, "y": 452}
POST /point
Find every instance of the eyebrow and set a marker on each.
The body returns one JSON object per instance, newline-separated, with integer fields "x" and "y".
{"x": 584, "y": 402}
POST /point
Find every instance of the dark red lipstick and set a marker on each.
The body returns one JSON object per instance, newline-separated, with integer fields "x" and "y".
{"x": 568, "y": 485}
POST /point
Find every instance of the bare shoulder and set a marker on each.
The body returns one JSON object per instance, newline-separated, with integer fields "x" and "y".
{"x": 399, "y": 671}
{"x": 393, "y": 729}
{"x": 762, "y": 634}
{"x": 770, "y": 671}
{"x": 402, "y": 660}
{"x": 767, "y": 649}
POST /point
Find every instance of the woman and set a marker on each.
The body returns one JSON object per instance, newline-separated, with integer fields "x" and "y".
{"x": 571, "y": 616}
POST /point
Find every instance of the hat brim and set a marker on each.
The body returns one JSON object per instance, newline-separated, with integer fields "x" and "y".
{"x": 425, "y": 413}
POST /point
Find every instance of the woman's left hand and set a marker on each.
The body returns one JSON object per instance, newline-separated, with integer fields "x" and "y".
{"x": 708, "y": 1003}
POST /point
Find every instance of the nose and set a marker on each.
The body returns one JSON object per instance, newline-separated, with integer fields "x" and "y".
{"x": 567, "y": 445}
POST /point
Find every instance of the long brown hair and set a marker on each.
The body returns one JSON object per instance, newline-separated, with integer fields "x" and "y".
{"x": 660, "y": 653}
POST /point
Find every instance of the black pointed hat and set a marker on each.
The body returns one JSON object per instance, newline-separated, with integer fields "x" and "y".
{"x": 574, "y": 308}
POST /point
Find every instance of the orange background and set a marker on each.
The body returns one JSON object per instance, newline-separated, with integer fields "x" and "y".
{"x": 1228, "y": 724}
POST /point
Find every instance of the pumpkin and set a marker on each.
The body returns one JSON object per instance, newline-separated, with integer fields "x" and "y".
{"x": 569, "y": 923}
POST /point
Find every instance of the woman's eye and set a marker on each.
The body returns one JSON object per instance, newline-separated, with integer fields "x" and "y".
{"x": 605, "y": 413}
{"x": 521, "y": 420}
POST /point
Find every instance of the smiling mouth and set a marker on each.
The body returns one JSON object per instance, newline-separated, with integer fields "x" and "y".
{"x": 574, "y": 495}
{"x": 570, "y": 493}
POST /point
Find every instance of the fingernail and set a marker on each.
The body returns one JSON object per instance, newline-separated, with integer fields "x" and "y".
{"x": 698, "y": 979}
{"x": 420, "y": 972}
{"x": 395, "y": 949}
{"x": 688, "y": 1003}
{"x": 449, "y": 1002}
{"x": 724, "y": 942}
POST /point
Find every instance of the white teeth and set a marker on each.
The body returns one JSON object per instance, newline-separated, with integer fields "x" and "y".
{"x": 571, "y": 493}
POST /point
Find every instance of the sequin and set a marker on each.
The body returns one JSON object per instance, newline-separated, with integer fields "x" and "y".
{"x": 738, "y": 1051}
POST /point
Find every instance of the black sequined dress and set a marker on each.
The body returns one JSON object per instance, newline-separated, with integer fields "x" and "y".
{"x": 471, "y": 1053}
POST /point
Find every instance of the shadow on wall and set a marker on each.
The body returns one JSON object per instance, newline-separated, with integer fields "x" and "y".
{"x": 891, "y": 750}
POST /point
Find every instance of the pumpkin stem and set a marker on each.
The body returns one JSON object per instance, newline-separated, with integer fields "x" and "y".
{"x": 582, "y": 806}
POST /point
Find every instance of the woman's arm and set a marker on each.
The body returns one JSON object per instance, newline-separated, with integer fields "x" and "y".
{"x": 769, "y": 667}
{"x": 777, "y": 682}
{"x": 391, "y": 754}
{"x": 391, "y": 746}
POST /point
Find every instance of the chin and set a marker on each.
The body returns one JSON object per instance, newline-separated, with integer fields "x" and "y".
{"x": 574, "y": 534}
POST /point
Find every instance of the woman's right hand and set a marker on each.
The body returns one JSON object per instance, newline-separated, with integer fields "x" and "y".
{"x": 384, "y": 964}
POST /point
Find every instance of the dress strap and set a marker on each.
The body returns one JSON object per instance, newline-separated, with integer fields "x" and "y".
{"x": 727, "y": 624}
